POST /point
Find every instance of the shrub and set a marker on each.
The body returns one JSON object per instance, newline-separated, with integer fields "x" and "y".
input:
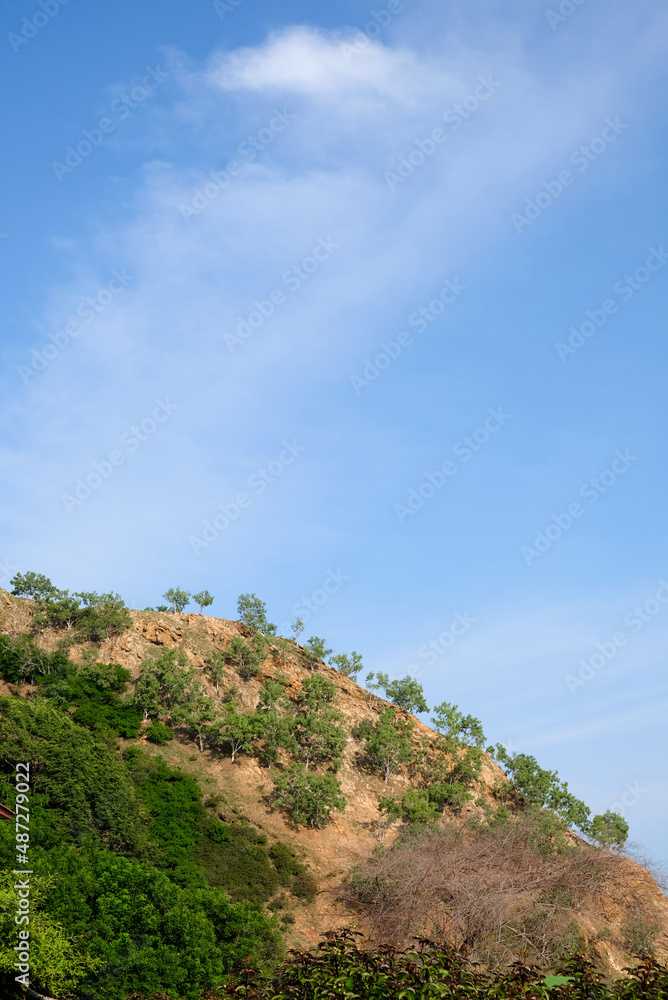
{"x": 253, "y": 613}
{"x": 308, "y": 798}
{"x": 159, "y": 734}
{"x": 349, "y": 666}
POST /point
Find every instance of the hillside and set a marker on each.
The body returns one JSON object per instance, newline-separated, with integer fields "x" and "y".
{"x": 612, "y": 897}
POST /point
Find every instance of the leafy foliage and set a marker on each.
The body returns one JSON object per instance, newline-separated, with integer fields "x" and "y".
{"x": 406, "y": 693}
{"x": 92, "y": 689}
{"x": 388, "y": 743}
{"x": 177, "y": 598}
{"x": 431, "y": 971}
{"x": 246, "y": 657}
{"x": 309, "y": 798}
{"x": 93, "y": 617}
{"x": 453, "y": 724}
{"x": 349, "y": 666}
{"x": 536, "y": 786}
{"x": 253, "y": 613}
{"x": 203, "y": 599}
{"x": 317, "y": 650}
{"x": 609, "y": 830}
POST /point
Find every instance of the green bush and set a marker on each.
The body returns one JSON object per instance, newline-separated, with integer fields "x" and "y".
{"x": 159, "y": 734}
{"x": 308, "y": 798}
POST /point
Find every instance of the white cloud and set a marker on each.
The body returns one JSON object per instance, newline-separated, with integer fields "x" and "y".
{"x": 304, "y": 60}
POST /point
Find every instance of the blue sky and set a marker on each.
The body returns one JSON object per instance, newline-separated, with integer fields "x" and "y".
{"x": 371, "y": 298}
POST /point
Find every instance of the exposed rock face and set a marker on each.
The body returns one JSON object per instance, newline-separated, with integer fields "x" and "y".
{"x": 351, "y": 836}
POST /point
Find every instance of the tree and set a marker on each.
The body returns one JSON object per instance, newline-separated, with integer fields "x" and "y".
{"x": 147, "y": 693}
{"x": 406, "y": 693}
{"x": 102, "y": 616}
{"x": 203, "y": 599}
{"x": 316, "y": 693}
{"x": 349, "y": 666}
{"x": 96, "y": 617}
{"x": 316, "y": 650}
{"x": 466, "y": 729}
{"x": 309, "y": 798}
{"x": 246, "y": 658}
{"x": 178, "y": 599}
{"x": 538, "y": 787}
{"x": 253, "y": 613}
{"x": 163, "y": 683}
{"x": 609, "y": 830}
{"x": 239, "y": 730}
{"x": 297, "y": 627}
{"x": 388, "y": 743}
{"x": 34, "y": 585}
{"x": 320, "y": 739}
{"x": 414, "y": 806}
{"x": 215, "y": 665}
{"x": 197, "y": 711}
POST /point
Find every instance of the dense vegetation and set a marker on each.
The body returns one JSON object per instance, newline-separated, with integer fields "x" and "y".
{"x": 136, "y": 884}
{"x": 140, "y": 885}
{"x": 339, "y": 970}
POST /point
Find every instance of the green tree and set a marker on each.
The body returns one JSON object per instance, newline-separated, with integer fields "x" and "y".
{"x": 317, "y": 648}
{"x": 349, "y": 666}
{"x": 297, "y": 627}
{"x": 33, "y": 585}
{"x": 609, "y": 830}
{"x": 102, "y": 616}
{"x": 276, "y": 728}
{"x": 449, "y": 721}
{"x": 536, "y": 786}
{"x": 406, "y": 693}
{"x": 247, "y": 658}
{"x": 215, "y": 667}
{"x": 320, "y": 739}
{"x": 57, "y": 964}
{"x": 179, "y": 599}
{"x": 239, "y": 730}
{"x": 162, "y": 683}
{"x": 196, "y": 711}
{"x": 309, "y": 798}
{"x": 203, "y": 599}
{"x": 414, "y": 806}
{"x": 317, "y": 692}
{"x": 147, "y": 692}
{"x": 253, "y": 613}
{"x": 388, "y": 743}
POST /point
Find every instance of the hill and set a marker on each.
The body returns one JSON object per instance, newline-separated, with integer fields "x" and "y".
{"x": 409, "y": 831}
